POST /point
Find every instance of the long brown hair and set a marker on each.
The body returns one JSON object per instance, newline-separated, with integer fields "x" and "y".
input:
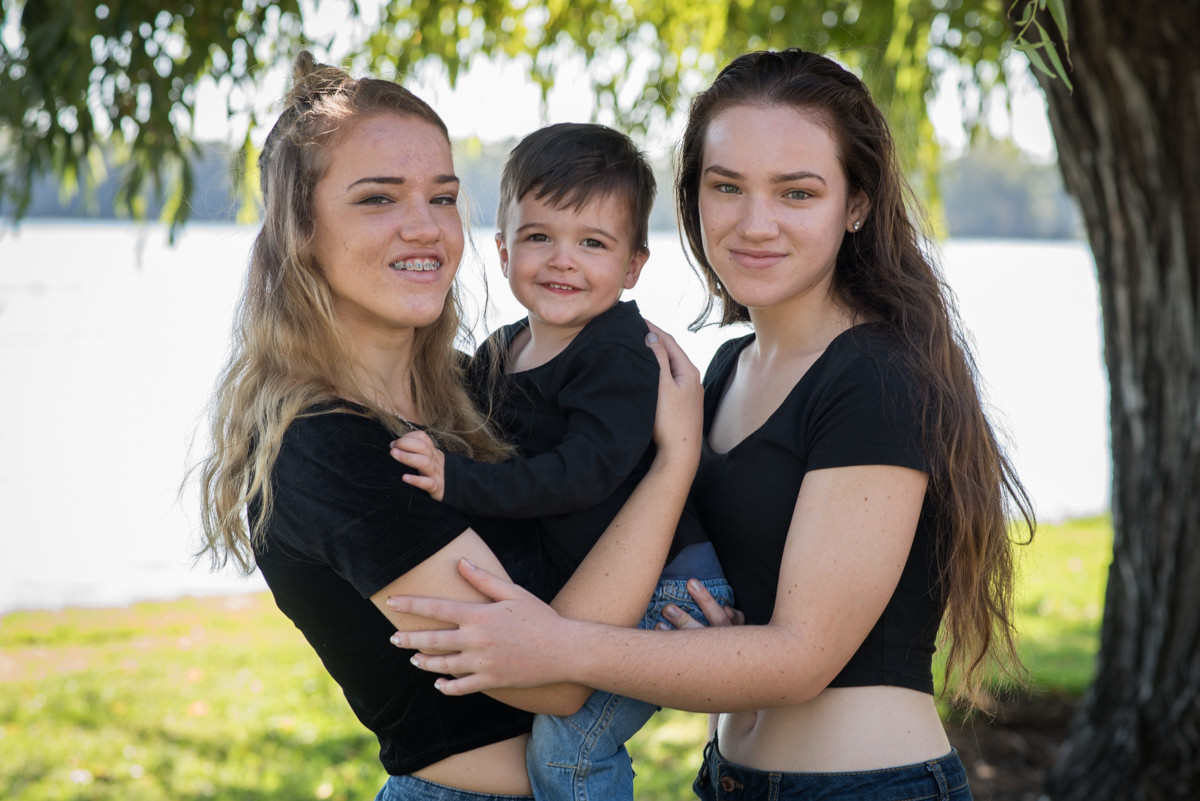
{"x": 883, "y": 274}
{"x": 289, "y": 352}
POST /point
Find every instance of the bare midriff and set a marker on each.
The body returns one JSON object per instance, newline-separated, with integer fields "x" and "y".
{"x": 497, "y": 769}
{"x": 842, "y": 729}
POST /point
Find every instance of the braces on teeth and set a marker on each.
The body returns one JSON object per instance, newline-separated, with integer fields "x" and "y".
{"x": 417, "y": 266}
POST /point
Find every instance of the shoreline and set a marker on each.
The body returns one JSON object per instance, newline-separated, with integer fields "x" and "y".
{"x": 114, "y": 344}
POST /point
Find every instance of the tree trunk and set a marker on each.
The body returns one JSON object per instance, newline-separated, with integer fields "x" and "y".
{"x": 1129, "y": 148}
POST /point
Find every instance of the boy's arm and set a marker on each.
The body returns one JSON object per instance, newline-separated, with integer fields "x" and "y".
{"x": 608, "y": 402}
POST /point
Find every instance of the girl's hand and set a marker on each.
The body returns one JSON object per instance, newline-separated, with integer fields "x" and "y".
{"x": 416, "y": 449}
{"x": 679, "y": 416}
{"x": 717, "y": 615}
{"x": 515, "y": 642}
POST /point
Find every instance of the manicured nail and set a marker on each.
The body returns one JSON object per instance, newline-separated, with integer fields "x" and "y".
{"x": 395, "y": 638}
{"x": 651, "y": 338}
{"x": 469, "y": 563}
{"x": 416, "y": 660}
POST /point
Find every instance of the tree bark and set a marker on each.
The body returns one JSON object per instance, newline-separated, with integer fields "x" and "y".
{"x": 1129, "y": 149}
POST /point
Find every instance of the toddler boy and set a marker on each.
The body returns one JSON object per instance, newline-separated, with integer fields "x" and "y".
{"x": 574, "y": 387}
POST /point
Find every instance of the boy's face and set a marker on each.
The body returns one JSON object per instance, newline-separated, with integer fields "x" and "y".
{"x": 567, "y": 267}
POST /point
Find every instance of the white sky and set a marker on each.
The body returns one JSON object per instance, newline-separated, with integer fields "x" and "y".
{"x": 494, "y": 100}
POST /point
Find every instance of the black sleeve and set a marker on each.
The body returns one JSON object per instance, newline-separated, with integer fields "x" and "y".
{"x": 340, "y": 498}
{"x": 608, "y": 401}
{"x": 867, "y": 415}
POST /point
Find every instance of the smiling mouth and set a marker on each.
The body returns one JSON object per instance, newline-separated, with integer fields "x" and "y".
{"x": 561, "y": 287}
{"x": 416, "y": 265}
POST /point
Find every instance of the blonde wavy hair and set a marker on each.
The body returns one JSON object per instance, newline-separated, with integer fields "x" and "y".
{"x": 289, "y": 352}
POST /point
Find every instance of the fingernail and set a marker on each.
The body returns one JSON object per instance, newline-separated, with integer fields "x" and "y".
{"x": 671, "y": 611}
{"x": 416, "y": 661}
{"x": 651, "y": 338}
{"x": 440, "y": 686}
{"x": 395, "y": 639}
{"x": 468, "y": 562}
{"x": 392, "y": 603}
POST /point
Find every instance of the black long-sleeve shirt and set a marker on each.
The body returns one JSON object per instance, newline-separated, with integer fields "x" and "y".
{"x": 584, "y": 422}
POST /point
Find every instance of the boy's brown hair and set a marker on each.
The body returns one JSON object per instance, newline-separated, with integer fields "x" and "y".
{"x": 571, "y": 164}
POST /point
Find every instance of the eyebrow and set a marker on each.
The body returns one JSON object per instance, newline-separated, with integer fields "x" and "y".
{"x": 395, "y": 179}
{"x": 588, "y": 230}
{"x": 782, "y": 178}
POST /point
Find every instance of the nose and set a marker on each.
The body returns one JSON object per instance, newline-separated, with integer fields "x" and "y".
{"x": 561, "y": 256}
{"x": 758, "y": 219}
{"x": 418, "y": 224}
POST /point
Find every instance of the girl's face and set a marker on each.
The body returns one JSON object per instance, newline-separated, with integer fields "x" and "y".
{"x": 774, "y": 205}
{"x": 388, "y": 237}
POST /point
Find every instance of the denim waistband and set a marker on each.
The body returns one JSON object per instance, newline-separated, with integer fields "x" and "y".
{"x": 411, "y": 788}
{"x": 941, "y": 779}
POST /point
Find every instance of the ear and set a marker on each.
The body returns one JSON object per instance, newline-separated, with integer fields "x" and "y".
{"x": 634, "y": 270}
{"x": 857, "y": 211}
{"x": 502, "y": 249}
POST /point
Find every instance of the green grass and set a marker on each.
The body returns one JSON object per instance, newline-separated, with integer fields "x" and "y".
{"x": 221, "y": 698}
{"x": 1061, "y": 597}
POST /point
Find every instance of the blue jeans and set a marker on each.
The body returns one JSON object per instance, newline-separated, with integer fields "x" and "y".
{"x": 943, "y": 779}
{"x": 583, "y": 757}
{"x": 410, "y": 788}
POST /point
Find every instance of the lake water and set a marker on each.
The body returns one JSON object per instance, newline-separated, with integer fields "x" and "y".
{"x": 110, "y": 340}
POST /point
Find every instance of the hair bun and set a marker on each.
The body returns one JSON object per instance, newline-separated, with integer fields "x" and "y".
{"x": 311, "y": 79}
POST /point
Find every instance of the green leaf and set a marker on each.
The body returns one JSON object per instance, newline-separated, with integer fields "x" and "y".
{"x": 1058, "y": 12}
{"x": 1031, "y": 51}
{"x": 1055, "y": 62}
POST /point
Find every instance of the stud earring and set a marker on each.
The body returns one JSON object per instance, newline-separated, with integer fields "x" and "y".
{"x": 857, "y": 224}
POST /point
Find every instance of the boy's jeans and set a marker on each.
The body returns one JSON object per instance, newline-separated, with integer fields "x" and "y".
{"x": 583, "y": 757}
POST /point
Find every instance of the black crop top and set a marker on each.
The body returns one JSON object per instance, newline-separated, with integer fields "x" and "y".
{"x": 345, "y": 526}
{"x": 854, "y": 406}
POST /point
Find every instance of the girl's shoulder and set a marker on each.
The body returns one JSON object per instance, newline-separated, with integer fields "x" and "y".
{"x": 725, "y": 357}
{"x": 334, "y": 430}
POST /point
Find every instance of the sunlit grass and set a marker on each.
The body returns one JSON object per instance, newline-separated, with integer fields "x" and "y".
{"x": 1063, "y": 575}
{"x": 198, "y": 698}
{"x": 221, "y": 698}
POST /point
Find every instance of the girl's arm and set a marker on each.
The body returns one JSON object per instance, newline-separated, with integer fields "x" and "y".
{"x": 850, "y": 535}
{"x": 614, "y": 583}
{"x": 437, "y": 576}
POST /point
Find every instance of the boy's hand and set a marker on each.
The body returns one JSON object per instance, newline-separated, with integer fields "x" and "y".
{"x": 416, "y": 450}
